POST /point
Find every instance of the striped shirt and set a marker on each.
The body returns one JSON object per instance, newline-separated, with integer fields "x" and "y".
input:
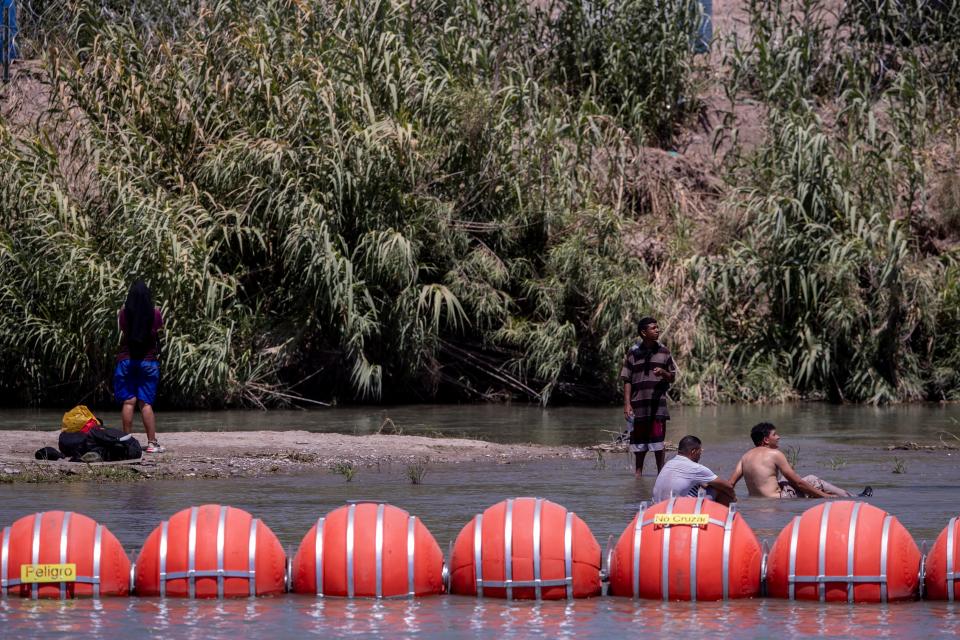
{"x": 648, "y": 393}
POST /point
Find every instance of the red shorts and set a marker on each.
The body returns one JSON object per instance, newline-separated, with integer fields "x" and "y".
{"x": 647, "y": 435}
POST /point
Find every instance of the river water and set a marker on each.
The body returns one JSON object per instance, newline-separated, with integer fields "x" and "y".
{"x": 843, "y": 444}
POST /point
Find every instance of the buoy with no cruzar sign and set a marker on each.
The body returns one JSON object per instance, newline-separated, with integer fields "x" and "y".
{"x": 686, "y": 549}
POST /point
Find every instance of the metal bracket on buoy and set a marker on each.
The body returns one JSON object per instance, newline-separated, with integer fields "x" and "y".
{"x": 922, "y": 575}
{"x": 605, "y": 567}
{"x": 951, "y": 560}
{"x": 445, "y": 573}
{"x": 764, "y": 554}
{"x": 288, "y": 573}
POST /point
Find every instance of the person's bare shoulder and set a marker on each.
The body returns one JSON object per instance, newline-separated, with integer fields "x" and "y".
{"x": 776, "y": 456}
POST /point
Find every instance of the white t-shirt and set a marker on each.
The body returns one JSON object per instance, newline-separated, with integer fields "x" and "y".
{"x": 683, "y": 477}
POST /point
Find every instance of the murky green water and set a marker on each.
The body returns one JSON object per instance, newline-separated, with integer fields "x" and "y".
{"x": 564, "y": 425}
{"x": 844, "y": 444}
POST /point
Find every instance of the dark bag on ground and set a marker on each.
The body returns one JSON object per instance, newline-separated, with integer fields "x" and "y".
{"x": 48, "y": 453}
{"x": 116, "y": 445}
{"x": 111, "y": 444}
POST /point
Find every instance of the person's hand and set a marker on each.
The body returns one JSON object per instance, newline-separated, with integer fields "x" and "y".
{"x": 659, "y": 372}
{"x": 627, "y": 411}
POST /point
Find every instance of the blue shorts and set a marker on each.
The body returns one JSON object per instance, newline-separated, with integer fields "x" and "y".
{"x": 136, "y": 379}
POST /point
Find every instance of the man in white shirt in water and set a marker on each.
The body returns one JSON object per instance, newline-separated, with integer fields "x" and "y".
{"x": 683, "y": 476}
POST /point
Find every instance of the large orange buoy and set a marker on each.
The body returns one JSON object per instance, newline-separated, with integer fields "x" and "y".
{"x": 844, "y": 551}
{"x": 209, "y": 552}
{"x": 686, "y": 549}
{"x": 942, "y": 574}
{"x": 526, "y": 548}
{"x": 33, "y": 543}
{"x": 368, "y": 550}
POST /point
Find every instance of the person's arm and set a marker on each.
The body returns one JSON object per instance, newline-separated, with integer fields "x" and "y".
{"x": 708, "y": 478}
{"x": 724, "y": 487}
{"x": 625, "y": 376}
{"x": 794, "y": 479}
{"x": 737, "y": 474}
{"x": 669, "y": 373}
{"x": 627, "y": 407}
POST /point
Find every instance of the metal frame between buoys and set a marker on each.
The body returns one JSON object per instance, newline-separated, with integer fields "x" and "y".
{"x": 680, "y": 549}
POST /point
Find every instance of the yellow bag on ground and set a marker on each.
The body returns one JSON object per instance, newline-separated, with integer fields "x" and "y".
{"x": 78, "y": 418}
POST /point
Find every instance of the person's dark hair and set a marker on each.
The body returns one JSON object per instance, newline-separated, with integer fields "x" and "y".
{"x": 761, "y": 431}
{"x": 645, "y": 322}
{"x": 688, "y": 444}
{"x": 138, "y": 313}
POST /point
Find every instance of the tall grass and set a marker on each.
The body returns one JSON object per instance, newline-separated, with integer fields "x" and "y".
{"x": 824, "y": 280}
{"x": 373, "y": 197}
{"x": 370, "y": 200}
{"x": 829, "y": 281}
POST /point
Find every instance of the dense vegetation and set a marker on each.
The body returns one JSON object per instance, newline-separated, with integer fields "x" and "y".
{"x": 373, "y": 200}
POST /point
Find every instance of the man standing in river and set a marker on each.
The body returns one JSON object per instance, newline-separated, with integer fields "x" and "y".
{"x": 762, "y": 466}
{"x": 648, "y": 370}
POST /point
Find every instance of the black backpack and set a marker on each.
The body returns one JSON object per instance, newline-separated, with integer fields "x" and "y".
{"x": 111, "y": 444}
{"x": 116, "y": 445}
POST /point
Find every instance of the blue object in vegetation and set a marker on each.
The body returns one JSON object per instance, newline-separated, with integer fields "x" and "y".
{"x": 705, "y": 32}
{"x": 8, "y": 31}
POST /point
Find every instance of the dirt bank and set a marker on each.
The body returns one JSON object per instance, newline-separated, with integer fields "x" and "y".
{"x": 259, "y": 453}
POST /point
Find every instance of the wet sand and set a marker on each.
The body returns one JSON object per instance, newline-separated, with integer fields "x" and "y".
{"x": 262, "y": 453}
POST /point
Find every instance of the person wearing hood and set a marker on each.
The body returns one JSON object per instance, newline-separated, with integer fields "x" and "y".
{"x": 137, "y": 372}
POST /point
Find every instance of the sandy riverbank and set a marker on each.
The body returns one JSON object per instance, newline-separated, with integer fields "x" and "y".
{"x": 259, "y": 453}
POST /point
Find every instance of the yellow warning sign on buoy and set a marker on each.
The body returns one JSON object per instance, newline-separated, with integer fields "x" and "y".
{"x": 675, "y": 519}
{"x": 40, "y": 573}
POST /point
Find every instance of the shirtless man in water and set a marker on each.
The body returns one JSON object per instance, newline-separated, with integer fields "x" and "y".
{"x": 760, "y": 467}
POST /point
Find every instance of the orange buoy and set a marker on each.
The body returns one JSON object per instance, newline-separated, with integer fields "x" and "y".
{"x": 32, "y": 544}
{"x": 526, "y": 548}
{"x": 368, "y": 550}
{"x": 940, "y": 581}
{"x": 844, "y": 551}
{"x": 686, "y": 549}
{"x": 211, "y": 551}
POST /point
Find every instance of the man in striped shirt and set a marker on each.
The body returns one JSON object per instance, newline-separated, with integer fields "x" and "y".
{"x": 648, "y": 370}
